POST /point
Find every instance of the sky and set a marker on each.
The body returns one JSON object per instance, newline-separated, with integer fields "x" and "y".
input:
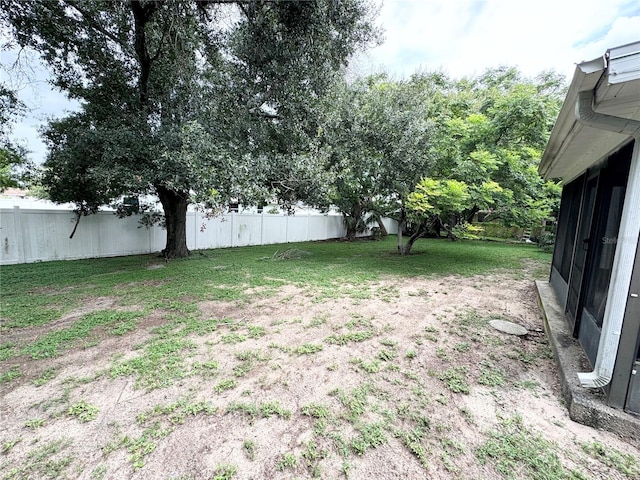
{"x": 458, "y": 37}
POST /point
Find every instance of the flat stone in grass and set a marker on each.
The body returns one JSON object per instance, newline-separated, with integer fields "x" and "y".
{"x": 509, "y": 327}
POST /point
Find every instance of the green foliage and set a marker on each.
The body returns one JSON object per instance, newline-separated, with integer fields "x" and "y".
{"x": 516, "y": 452}
{"x": 14, "y": 163}
{"x": 287, "y": 461}
{"x": 309, "y": 348}
{"x": 345, "y": 338}
{"x": 177, "y": 104}
{"x": 455, "y": 379}
{"x": 225, "y": 472}
{"x": 54, "y": 343}
{"x": 47, "y": 460}
{"x": 624, "y": 463}
{"x": 264, "y": 409}
{"x": 83, "y": 411}
{"x": 227, "y": 384}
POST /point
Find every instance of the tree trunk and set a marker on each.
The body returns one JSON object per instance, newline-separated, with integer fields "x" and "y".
{"x": 352, "y": 221}
{"x": 406, "y": 249}
{"x": 351, "y": 225}
{"x": 402, "y": 223}
{"x": 175, "y": 213}
{"x": 383, "y": 229}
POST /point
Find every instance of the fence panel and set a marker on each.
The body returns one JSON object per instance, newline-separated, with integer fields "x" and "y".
{"x": 32, "y": 235}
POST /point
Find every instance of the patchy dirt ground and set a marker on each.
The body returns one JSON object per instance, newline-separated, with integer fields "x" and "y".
{"x": 389, "y": 380}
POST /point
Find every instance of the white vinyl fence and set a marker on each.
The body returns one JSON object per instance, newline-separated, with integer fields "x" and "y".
{"x": 33, "y": 235}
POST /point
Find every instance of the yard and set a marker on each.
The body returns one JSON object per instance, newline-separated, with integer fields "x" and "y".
{"x": 315, "y": 360}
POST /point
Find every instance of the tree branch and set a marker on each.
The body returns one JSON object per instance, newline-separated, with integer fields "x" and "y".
{"x": 96, "y": 26}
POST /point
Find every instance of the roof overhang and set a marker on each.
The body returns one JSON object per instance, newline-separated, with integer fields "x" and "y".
{"x": 614, "y": 80}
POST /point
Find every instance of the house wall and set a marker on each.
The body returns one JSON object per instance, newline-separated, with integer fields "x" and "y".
{"x": 30, "y": 235}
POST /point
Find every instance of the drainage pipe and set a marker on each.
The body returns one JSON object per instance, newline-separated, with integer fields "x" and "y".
{"x": 626, "y": 247}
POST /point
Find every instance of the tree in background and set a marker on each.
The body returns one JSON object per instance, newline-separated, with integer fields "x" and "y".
{"x": 13, "y": 157}
{"x": 489, "y": 147}
{"x": 378, "y": 134}
{"x": 189, "y": 100}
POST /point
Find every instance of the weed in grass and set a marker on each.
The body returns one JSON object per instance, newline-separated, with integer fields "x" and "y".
{"x": 413, "y": 441}
{"x": 224, "y": 472}
{"x": 242, "y": 369}
{"x": 346, "y": 338}
{"x": 491, "y": 375}
{"x": 355, "y": 401}
{"x": 387, "y": 293}
{"x": 45, "y": 461}
{"x": 312, "y": 454}
{"x": 227, "y": 384}
{"x": 288, "y": 460}
{"x": 176, "y": 412}
{"x": 12, "y": 373}
{"x": 468, "y": 415}
{"x": 7, "y": 445}
{"x": 99, "y": 472}
{"x": 370, "y": 435}
{"x": 517, "y": 452}
{"x": 54, "y": 343}
{"x": 7, "y": 350}
{"x": 455, "y": 379}
{"x": 160, "y": 365}
{"x": 442, "y": 354}
{"x": 374, "y": 366}
{"x": 528, "y": 358}
{"x": 256, "y": 331}
{"x": 387, "y": 354}
{"x": 249, "y": 449}
{"x": 48, "y": 374}
{"x": 462, "y": 347}
{"x": 35, "y": 423}
{"x": 123, "y": 327}
{"x": 316, "y": 410}
{"x": 309, "y": 348}
{"x": 83, "y": 411}
{"x": 264, "y": 410}
{"x": 233, "y": 337}
{"x": 624, "y": 463}
{"x": 252, "y": 356}
{"x": 282, "y": 348}
{"x": 145, "y": 444}
{"x": 317, "y": 321}
{"x": 205, "y": 369}
{"x": 359, "y": 321}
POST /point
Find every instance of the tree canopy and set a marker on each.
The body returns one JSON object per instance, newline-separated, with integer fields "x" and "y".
{"x": 432, "y": 152}
{"x": 189, "y": 100}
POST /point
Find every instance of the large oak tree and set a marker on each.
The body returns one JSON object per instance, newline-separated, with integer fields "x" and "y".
{"x": 190, "y": 100}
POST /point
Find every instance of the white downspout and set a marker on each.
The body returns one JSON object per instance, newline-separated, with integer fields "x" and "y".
{"x": 626, "y": 246}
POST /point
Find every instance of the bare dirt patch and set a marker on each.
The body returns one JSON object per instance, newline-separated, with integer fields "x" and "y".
{"x": 400, "y": 378}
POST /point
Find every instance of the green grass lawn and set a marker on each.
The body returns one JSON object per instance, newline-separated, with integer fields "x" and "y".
{"x": 37, "y": 293}
{"x": 352, "y": 359}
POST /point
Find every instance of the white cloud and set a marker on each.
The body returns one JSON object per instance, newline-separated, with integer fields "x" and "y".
{"x": 465, "y": 37}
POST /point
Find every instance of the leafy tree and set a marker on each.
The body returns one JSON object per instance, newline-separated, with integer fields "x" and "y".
{"x": 194, "y": 101}
{"x": 379, "y": 135}
{"x": 13, "y": 157}
{"x": 491, "y": 142}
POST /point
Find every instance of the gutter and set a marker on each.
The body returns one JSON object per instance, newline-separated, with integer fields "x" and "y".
{"x": 624, "y": 258}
